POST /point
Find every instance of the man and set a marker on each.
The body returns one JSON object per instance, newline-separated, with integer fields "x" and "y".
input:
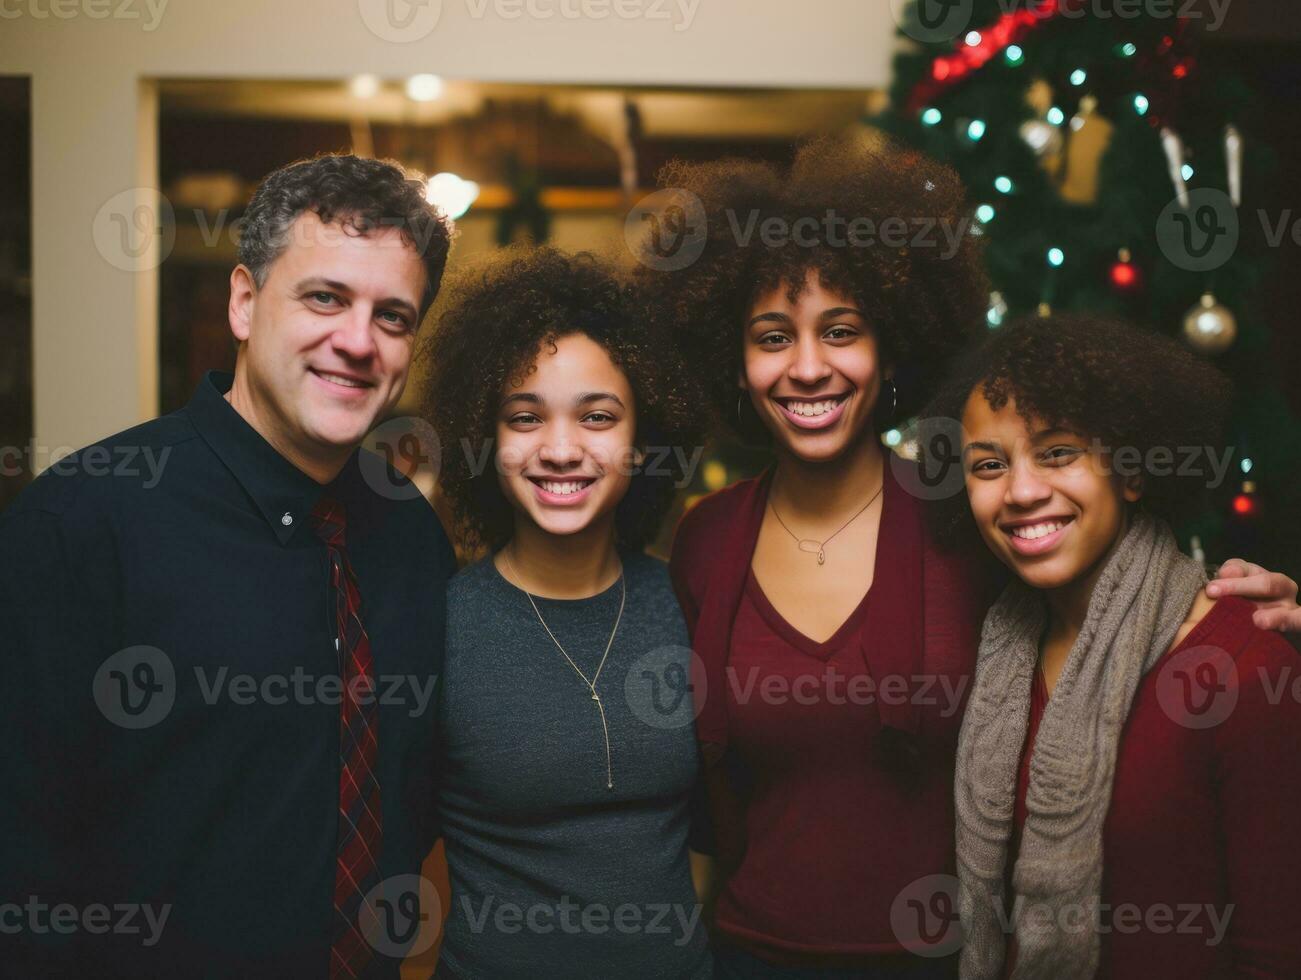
{"x": 223, "y": 627}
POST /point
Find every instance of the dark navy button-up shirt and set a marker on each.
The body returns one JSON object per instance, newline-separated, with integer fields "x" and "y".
{"x": 169, "y": 703}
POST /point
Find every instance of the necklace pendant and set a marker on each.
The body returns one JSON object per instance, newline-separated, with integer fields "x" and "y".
{"x": 822, "y": 557}
{"x": 596, "y": 697}
{"x": 810, "y": 547}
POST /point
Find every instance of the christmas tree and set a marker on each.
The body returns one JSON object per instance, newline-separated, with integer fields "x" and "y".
{"x": 1108, "y": 172}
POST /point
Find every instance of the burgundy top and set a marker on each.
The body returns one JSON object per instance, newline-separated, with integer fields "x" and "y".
{"x": 1203, "y": 817}
{"x": 819, "y": 834}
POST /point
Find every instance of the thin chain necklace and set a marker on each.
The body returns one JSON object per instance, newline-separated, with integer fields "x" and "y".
{"x": 591, "y": 685}
{"x": 820, "y": 547}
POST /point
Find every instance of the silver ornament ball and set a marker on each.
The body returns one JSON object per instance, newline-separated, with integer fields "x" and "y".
{"x": 1210, "y": 327}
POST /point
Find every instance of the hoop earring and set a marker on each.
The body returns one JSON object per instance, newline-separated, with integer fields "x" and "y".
{"x": 740, "y": 418}
{"x": 894, "y": 399}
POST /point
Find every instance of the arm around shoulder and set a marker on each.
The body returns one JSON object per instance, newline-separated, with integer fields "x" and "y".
{"x": 1257, "y": 747}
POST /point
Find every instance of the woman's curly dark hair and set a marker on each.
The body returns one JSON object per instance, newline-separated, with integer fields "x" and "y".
{"x": 491, "y": 321}
{"x": 922, "y": 288}
{"x": 1127, "y": 387}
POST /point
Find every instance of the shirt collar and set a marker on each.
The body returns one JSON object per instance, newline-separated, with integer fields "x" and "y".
{"x": 283, "y": 493}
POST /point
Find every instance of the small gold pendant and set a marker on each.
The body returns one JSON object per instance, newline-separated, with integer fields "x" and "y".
{"x": 811, "y": 547}
{"x": 596, "y": 697}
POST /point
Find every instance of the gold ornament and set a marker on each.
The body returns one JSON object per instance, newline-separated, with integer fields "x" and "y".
{"x": 1210, "y": 327}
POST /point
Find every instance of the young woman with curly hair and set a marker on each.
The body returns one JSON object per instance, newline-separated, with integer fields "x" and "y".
{"x": 565, "y": 776}
{"x": 837, "y": 635}
{"x": 1125, "y": 765}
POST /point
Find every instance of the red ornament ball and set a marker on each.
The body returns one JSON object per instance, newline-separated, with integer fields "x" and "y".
{"x": 1125, "y": 275}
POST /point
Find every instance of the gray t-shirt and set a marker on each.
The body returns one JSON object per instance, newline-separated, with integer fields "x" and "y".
{"x": 553, "y": 874}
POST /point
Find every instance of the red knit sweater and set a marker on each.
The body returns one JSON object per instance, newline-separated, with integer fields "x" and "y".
{"x": 821, "y": 836}
{"x": 1202, "y": 868}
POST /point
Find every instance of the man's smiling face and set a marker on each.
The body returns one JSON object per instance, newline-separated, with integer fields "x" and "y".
{"x": 327, "y": 338}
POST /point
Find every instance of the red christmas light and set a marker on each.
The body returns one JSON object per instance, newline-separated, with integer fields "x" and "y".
{"x": 1161, "y": 72}
{"x": 1125, "y": 275}
{"x": 994, "y": 39}
{"x": 1246, "y": 504}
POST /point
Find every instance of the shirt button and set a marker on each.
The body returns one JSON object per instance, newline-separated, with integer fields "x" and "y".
{"x": 287, "y": 519}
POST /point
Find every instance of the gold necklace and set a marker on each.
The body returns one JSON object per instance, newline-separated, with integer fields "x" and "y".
{"x": 591, "y": 685}
{"x": 820, "y": 547}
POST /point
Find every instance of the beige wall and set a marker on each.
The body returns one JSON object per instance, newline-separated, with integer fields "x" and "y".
{"x": 94, "y": 123}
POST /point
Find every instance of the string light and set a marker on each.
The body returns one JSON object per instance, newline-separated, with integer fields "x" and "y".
{"x": 1247, "y": 464}
{"x": 997, "y": 310}
{"x": 424, "y": 88}
{"x": 1128, "y": 49}
{"x": 451, "y": 194}
{"x": 1245, "y": 503}
{"x": 1056, "y": 257}
{"x": 1056, "y": 116}
{"x": 364, "y": 86}
{"x": 976, "y": 130}
{"x": 974, "y": 39}
{"x": 1079, "y": 77}
{"x": 1003, "y": 184}
{"x": 1142, "y": 104}
{"x": 1015, "y": 55}
{"x": 893, "y": 437}
{"x": 932, "y": 116}
{"x": 985, "y": 213}
{"x": 1187, "y": 171}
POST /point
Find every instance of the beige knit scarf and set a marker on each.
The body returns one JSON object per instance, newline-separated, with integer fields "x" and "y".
{"x": 1138, "y": 604}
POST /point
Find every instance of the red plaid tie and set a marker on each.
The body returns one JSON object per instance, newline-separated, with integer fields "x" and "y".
{"x": 360, "y": 829}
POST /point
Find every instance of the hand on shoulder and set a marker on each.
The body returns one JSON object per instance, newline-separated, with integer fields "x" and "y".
{"x": 1274, "y": 594}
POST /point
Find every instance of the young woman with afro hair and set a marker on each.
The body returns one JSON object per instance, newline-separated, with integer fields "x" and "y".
{"x": 1124, "y": 758}
{"x": 836, "y": 632}
{"x": 566, "y": 764}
